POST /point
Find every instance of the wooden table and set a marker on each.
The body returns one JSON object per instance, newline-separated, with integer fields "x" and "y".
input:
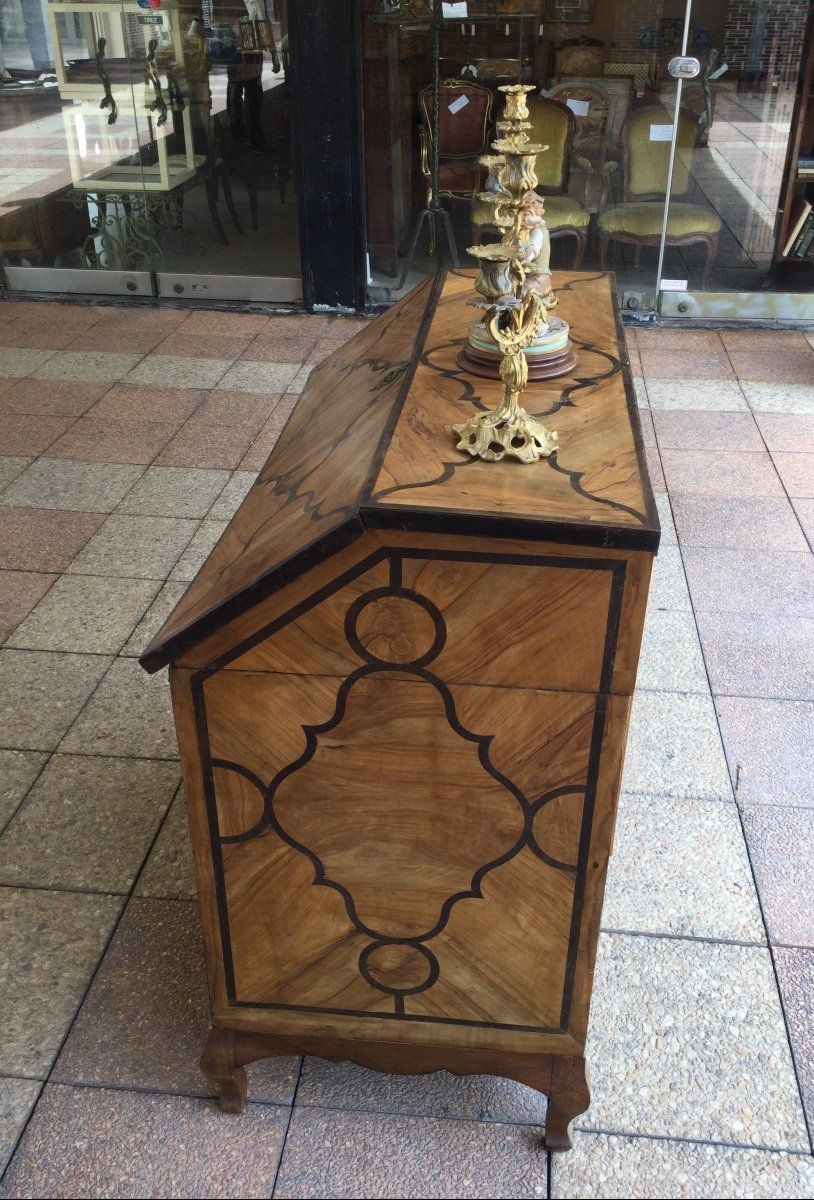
{"x": 402, "y": 682}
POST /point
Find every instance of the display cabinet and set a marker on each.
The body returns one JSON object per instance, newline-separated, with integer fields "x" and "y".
{"x": 401, "y": 684}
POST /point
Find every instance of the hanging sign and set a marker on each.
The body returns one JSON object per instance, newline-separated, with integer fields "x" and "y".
{"x": 455, "y": 10}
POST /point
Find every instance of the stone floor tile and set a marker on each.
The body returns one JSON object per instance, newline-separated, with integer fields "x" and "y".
{"x": 668, "y": 585}
{"x": 469, "y": 1098}
{"x": 749, "y": 656}
{"x": 749, "y": 339}
{"x": 94, "y": 1142}
{"x": 133, "y": 402}
{"x": 21, "y": 436}
{"x": 768, "y": 746}
{"x": 680, "y": 341}
{"x": 185, "y": 344}
{"x": 654, "y": 469}
{"x": 795, "y": 973}
{"x": 52, "y": 397}
{"x": 153, "y": 619}
{"x": 52, "y": 942}
{"x": 712, "y": 363}
{"x": 804, "y": 510}
{"x": 33, "y": 313}
{"x": 295, "y": 325}
{"x": 17, "y": 363}
{"x": 783, "y": 431}
{"x": 137, "y": 547}
{"x": 18, "y": 770}
{"x": 268, "y": 378}
{"x": 43, "y": 539}
{"x": 678, "y": 430}
{"x": 728, "y": 581}
{"x": 249, "y": 409}
{"x": 357, "y": 1154}
{"x": 795, "y": 470}
{"x": 300, "y": 379}
{"x": 740, "y": 524}
{"x": 232, "y": 496}
{"x": 102, "y": 440}
{"x": 779, "y": 397}
{"x": 130, "y": 715}
{"x": 717, "y": 395}
{"x": 120, "y": 320}
{"x": 146, "y": 1019}
{"x": 278, "y": 349}
{"x": 17, "y": 1098}
{"x": 266, "y": 440}
{"x": 168, "y": 873}
{"x": 41, "y": 694}
{"x": 342, "y": 328}
{"x": 680, "y": 867}
{"x": 88, "y": 614}
{"x": 174, "y": 492}
{"x": 73, "y": 485}
{"x": 11, "y": 465}
{"x": 671, "y": 657}
{"x": 608, "y": 1167}
{"x": 687, "y": 1039}
{"x": 122, "y": 800}
{"x": 668, "y": 529}
{"x": 93, "y": 365}
{"x": 640, "y": 391}
{"x": 232, "y": 324}
{"x": 101, "y": 338}
{"x": 674, "y": 748}
{"x": 19, "y": 592}
{"x": 198, "y": 550}
{"x": 202, "y": 444}
{"x": 41, "y": 337}
{"x": 781, "y": 846}
{"x": 786, "y": 364}
{"x": 171, "y": 370}
{"x": 720, "y": 474}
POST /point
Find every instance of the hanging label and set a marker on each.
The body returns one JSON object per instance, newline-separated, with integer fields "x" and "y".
{"x": 661, "y": 133}
{"x": 156, "y": 20}
{"x": 717, "y": 74}
{"x": 674, "y": 285}
{"x": 579, "y": 108}
{"x": 454, "y": 10}
{"x": 458, "y": 104}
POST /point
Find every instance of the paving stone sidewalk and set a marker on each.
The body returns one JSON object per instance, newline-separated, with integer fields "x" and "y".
{"x": 128, "y": 438}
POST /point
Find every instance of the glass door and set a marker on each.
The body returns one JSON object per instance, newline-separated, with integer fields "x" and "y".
{"x": 737, "y": 90}
{"x": 146, "y": 147}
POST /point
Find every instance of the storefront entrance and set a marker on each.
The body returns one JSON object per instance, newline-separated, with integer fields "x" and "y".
{"x": 146, "y": 149}
{"x": 679, "y": 138}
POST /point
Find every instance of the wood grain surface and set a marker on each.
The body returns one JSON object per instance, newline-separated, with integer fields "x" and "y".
{"x": 368, "y": 446}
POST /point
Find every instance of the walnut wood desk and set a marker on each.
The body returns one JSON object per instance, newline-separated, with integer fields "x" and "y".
{"x": 401, "y": 683}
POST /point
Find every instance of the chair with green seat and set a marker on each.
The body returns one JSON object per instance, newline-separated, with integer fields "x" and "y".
{"x": 553, "y": 126}
{"x": 639, "y": 219}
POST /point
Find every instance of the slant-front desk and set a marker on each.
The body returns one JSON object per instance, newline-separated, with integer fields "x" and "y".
{"x": 402, "y": 683}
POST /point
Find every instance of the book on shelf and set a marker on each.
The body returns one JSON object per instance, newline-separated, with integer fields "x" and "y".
{"x": 805, "y": 241}
{"x": 800, "y": 214}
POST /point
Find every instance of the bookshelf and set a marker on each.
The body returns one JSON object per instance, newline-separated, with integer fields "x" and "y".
{"x": 798, "y": 187}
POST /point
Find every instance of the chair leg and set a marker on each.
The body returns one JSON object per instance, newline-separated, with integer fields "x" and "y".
{"x": 604, "y": 241}
{"x": 711, "y": 242}
{"x": 212, "y": 201}
{"x": 230, "y": 204}
{"x": 582, "y": 242}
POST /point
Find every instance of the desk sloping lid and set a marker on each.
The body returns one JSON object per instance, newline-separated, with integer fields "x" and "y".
{"x": 368, "y": 446}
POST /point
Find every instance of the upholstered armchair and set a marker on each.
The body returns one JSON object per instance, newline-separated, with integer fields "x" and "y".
{"x": 638, "y": 220}
{"x": 552, "y": 126}
{"x": 464, "y": 109}
{"x": 593, "y": 110}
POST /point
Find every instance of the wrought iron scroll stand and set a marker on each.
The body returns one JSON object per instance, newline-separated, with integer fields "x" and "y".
{"x": 435, "y": 211}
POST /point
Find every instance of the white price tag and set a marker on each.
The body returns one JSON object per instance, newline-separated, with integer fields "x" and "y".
{"x": 674, "y": 285}
{"x": 717, "y": 74}
{"x": 458, "y": 104}
{"x": 661, "y": 133}
{"x": 579, "y": 108}
{"x": 456, "y": 9}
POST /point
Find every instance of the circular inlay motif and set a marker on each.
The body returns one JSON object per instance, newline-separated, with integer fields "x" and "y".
{"x": 398, "y": 628}
{"x": 397, "y": 968}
